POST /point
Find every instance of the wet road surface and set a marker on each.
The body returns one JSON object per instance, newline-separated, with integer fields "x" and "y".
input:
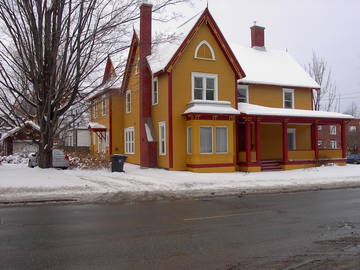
{"x": 310, "y": 230}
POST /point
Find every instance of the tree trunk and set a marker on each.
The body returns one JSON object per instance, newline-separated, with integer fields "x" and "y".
{"x": 45, "y": 158}
{"x": 45, "y": 148}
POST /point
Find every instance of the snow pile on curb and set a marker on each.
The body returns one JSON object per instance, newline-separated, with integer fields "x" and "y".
{"x": 19, "y": 182}
{"x": 15, "y": 159}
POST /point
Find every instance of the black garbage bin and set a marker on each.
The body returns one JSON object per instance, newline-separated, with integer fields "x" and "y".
{"x": 117, "y": 163}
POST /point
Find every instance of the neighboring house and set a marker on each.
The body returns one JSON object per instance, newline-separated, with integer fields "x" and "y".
{"x": 77, "y": 139}
{"x": 330, "y": 136}
{"x": 20, "y": 139}
{"x": 105, "y": 115}
{"x": 202, "y": 106}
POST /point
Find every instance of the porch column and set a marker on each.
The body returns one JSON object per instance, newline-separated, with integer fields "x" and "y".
{"x": 248, "y": 140}
{"x": 257, "y": 141}
{"x": 285, "y": 141}
{"x": 343, "y": 139}
{"x": 315, "y": 138}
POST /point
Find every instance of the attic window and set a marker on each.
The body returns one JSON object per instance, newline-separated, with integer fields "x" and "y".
{"x": 204, "y": 51}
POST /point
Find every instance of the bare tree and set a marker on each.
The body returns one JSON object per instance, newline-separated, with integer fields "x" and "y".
{"x": 49, "y": 53}
{"x": 353, "y": 110}
{"x": 326, "y": 98}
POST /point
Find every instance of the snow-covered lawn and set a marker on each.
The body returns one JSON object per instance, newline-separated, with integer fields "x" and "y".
{"x": 18, "y": 182}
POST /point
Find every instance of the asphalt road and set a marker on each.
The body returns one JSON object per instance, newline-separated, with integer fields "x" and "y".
{"x": 310, "y": 230}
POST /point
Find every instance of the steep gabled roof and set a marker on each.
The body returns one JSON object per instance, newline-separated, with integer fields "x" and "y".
{"x": 109, "y": 80}
{"x": 166, "y": 55}
{"x": 29, "y": 124}
{"x": 109, "y": 72}
{"x": 130, "y": 60}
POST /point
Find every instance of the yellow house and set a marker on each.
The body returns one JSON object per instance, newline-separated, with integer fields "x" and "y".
{"x": 203, "y": 106}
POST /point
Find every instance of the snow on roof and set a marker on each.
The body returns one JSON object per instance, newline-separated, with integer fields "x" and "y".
{"x": 99, "y": 90}
{"x": 94, "y": 125}
{"x": 251, "y": 109}
{"x": 16, "y": 129}
{"x": 275, "y": 67}
{"x": 209, "y": 106}
{"x": 163, "y": 52}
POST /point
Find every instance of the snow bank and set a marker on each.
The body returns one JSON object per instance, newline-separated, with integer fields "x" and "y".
{"x": 19, "y": 182}
{"x": 15, "y": 159}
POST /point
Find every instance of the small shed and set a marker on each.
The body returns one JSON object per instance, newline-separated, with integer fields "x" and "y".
{"x": 20, "y": 139}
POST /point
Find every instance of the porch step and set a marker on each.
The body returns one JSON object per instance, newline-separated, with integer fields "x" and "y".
{"x": 271, "y": 165}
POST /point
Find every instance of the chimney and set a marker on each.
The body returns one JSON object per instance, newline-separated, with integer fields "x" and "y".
{"x": 148, "y": 149}
{"x": 145, "y": 29}
{"x": 257, "y": 36}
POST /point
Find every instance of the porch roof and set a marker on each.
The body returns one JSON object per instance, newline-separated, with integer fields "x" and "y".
{"x": 93, "y": 126}
{"x": 211, "y": 107}
{"x": 251, "y": 109}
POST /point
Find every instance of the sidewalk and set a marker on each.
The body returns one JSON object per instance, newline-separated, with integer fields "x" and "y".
{"x": 19, "y": 183}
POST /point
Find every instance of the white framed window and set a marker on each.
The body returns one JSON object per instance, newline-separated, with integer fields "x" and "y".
{"x": 221, "y": 139}
{"x": 155, "y": 91}
{"x": 332, "y": 130}
{"x": 243, "y": 93}
{"x": 319, "y": 127}
{"x": 352, "y": 128}
{"x": 320, "y": 142}
{"x": 95, "y": 105}
{"x": 199, "y": 51}
{"x": 129, "y": 140}
{"x": 128, "y": 101}
{"x": 288, "y": 98}
{"x": 107, "y": 139}
{"x": 204, "y": 86}
{"x": 206, "y": 140}
{"x": 162, "y": 138}
{"x": 103, "y": 105}
{"x": 189, "y": 140}
{"x": 291, "y": 138}
{"x": 333, "y": 144}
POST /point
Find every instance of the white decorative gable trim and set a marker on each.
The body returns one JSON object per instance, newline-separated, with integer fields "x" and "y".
{"x": 204, "y": 42}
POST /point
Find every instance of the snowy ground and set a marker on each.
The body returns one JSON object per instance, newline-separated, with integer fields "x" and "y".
{"x": 19, "y": 183}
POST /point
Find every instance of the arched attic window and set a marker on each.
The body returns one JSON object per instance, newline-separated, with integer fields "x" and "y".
{"x": 204, "y": 51}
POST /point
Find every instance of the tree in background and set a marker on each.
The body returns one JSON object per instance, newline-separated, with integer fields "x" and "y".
{"x": 50, "y": 52}
{"x": 326, "y": 98}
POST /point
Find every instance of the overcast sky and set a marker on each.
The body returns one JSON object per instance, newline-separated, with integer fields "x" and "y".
{"x": 328, "y": 27}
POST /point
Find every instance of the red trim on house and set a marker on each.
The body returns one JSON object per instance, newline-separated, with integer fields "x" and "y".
{"x": 248, "y": 141}
{"x": 295, "y": 119}
{"x": 236, "y": 93}
{"x": 110, "y": 125}
{"x": 109, "y": 70}
{"x": 207, "y": 17}
{"x": 285, "y": 149}
{"x": 130, "y": 61}
{"x": 215, "y": 165}
{"x": 257, "y": 142}
{"x": 315, "y": 140}
{"x": 170, "y": 115}
{"x": 97, "y": 129}
{"x": 284, "y": 86}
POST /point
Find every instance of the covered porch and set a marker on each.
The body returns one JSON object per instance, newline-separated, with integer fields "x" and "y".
{"x": 276, "y": 138}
